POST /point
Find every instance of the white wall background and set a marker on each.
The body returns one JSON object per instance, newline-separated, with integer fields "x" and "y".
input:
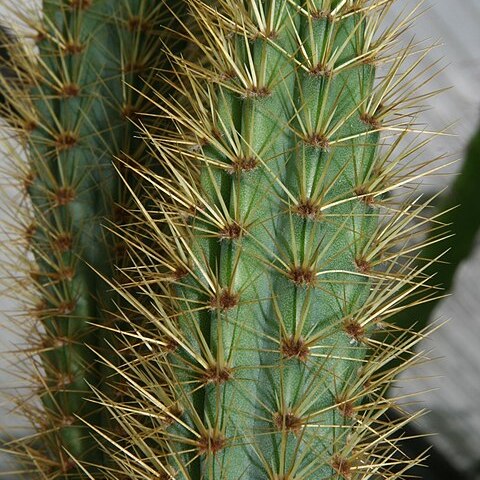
{"x": 455, "y": 405}
{"x": 454, "y": 375}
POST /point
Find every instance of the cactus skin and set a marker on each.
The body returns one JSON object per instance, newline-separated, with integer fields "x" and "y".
{"x": 278, "y": 262}
{"x": 74, "y": 116}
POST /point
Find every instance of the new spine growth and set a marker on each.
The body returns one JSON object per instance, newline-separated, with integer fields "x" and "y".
{"x": 283, "y": 249}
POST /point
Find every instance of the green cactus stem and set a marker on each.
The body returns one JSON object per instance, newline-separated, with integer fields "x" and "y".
{"x": 74, "y": 113}
{"x": 279, "y": 247}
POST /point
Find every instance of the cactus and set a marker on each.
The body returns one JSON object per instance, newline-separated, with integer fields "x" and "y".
{"x": 270, "y": 252}
{"x": 72, "y": 111}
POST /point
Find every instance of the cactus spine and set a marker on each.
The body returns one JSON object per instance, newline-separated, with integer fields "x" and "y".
{"x": 73, "y": 109}
{"x": 462, "y": 214}
{"x": 280, "y": 251}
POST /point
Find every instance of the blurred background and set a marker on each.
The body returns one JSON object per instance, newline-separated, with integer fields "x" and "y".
{"x": 451, "y": 382}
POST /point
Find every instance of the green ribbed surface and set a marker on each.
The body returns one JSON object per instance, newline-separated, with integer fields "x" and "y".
{"x": 269, "y": 349}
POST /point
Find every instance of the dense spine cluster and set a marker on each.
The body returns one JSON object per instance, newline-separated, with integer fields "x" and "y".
{"x": 270, "y": 253}
{"x": 72, "y": 102}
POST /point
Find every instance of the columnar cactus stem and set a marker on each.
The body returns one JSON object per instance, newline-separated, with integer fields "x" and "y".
{"x": 74, "y": 112}
{"x": 281, "y": 257}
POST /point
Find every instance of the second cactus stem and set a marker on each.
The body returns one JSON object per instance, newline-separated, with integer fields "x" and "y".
{"x": 280, "y": 249}
{"x": 72, "y": 105}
